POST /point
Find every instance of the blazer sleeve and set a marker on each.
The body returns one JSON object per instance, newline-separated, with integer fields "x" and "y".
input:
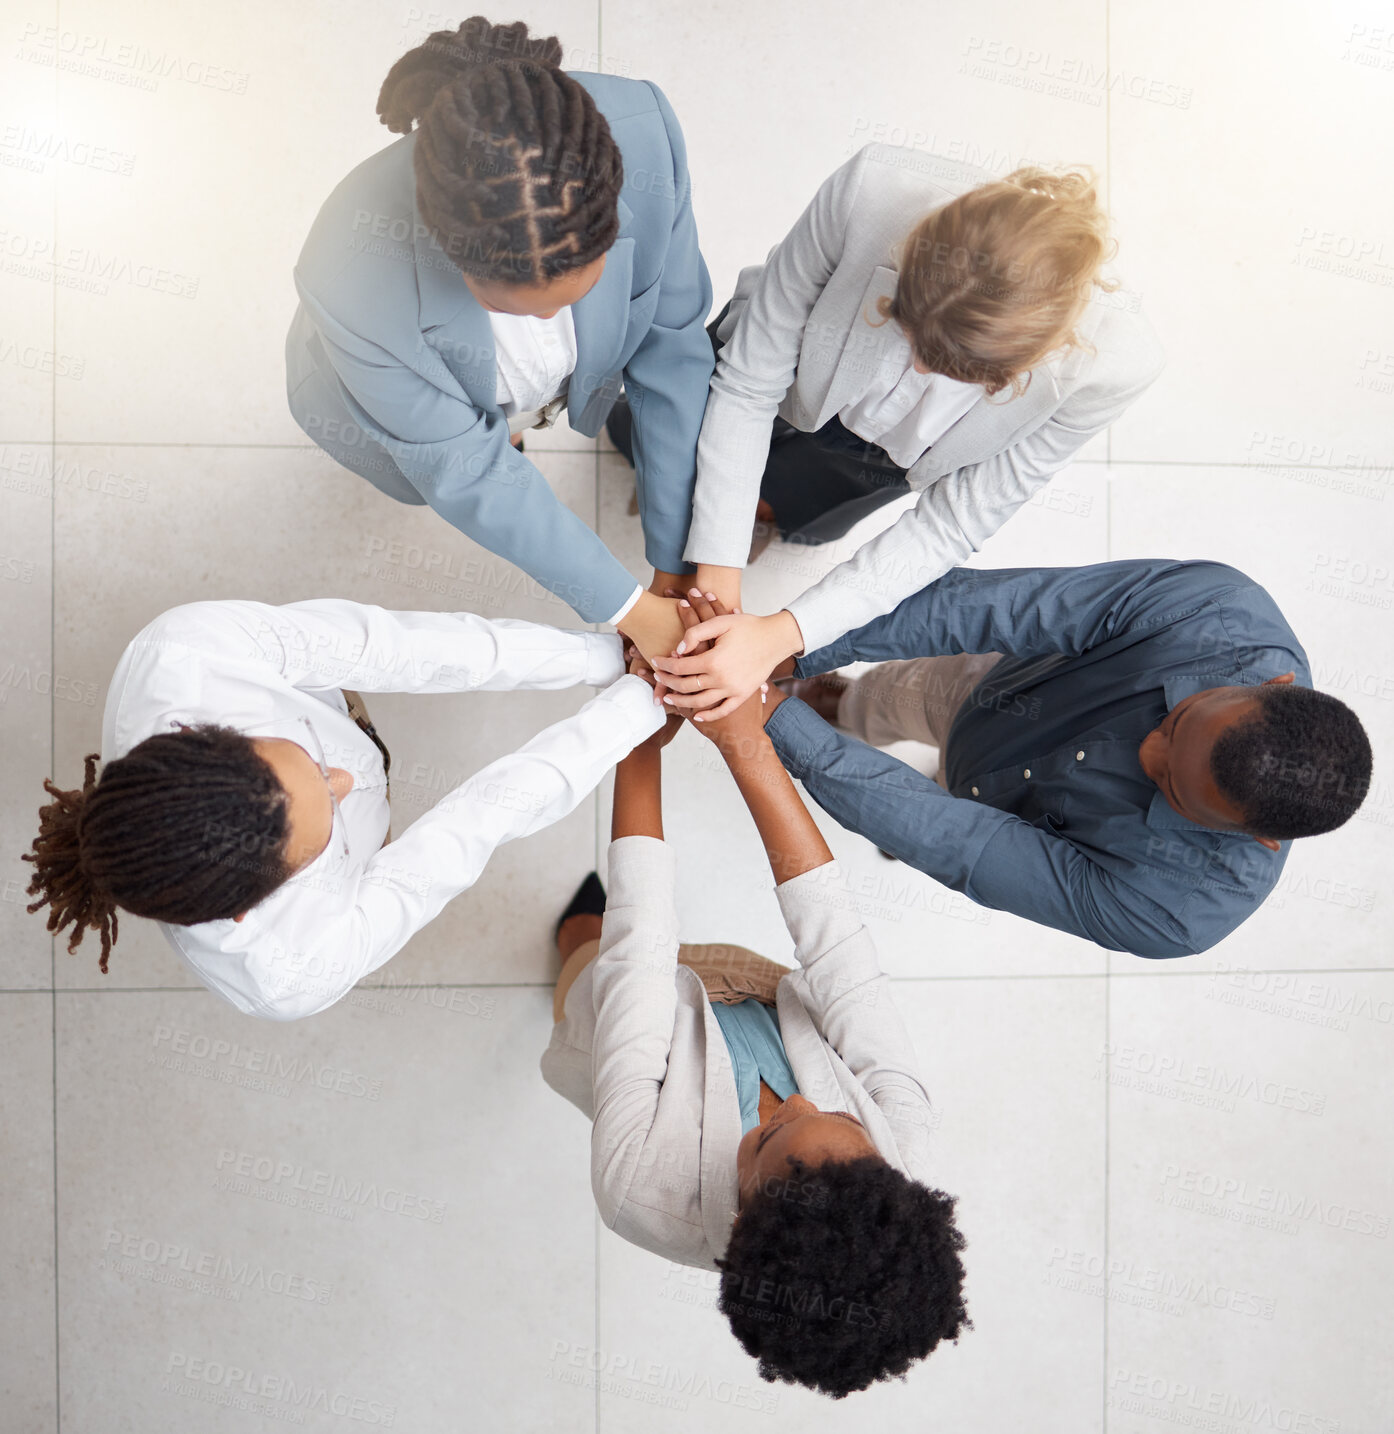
{"x": 992, "y": 857}
{"x": 667, "y": 376}
{"x": 460, "y": 460}
{"x": 959, "y": 512}
{"x": 849, "y": 999}
{"x": 756, "y": 368}
{"x": 635, "y": 995}
{"x": 409, "y": 881}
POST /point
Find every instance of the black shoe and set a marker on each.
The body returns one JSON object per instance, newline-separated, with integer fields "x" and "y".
{"x": 588, "y": 901}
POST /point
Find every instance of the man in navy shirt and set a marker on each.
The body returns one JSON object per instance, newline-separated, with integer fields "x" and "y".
{"x": 1126, "y": 749}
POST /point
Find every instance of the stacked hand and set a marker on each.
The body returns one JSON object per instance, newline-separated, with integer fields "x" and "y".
{"x": 725, "y": 713}
{"x": 724, "y": 657}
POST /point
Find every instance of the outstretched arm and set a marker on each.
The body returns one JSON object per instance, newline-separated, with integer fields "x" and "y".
{"x": 638, "y": 804}
{"x": 992, "y": 857}
{"x": 792, "y": 841}
{"x": 633, "y": 985}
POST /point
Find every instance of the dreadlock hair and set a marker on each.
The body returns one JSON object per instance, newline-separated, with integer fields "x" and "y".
{"x": 188, "y": 826}
{"x": 1299, "y": 766}
{"x": 517, "y": 175}
{"x": 845, "y": 1273}
{"x": 996, "y": 280}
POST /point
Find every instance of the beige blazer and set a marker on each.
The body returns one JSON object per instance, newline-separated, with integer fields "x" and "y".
{"x": 803, "y": 339}
{"x": 641, "y": 1055}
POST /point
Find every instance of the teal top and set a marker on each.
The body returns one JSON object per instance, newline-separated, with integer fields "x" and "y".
{"x": 752, "y": 1037}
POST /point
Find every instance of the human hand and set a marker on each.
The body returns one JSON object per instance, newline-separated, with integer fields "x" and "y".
{"x": 747, "y": 719}
{"x": 652, "y": 625}
{"x": 638, "y": 667}
{"x": 725, "y": 656}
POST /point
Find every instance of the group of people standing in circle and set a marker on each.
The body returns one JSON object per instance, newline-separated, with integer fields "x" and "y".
{"x": 1125, "y": 750}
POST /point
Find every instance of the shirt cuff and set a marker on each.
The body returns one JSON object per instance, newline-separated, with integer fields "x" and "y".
{"x": 604, "y": 659}
{"x": 818, "y": 618}
{"x": 819, "y": 911}
{"x": 641, "y": 871}
{"x": 634, "y": 697}
{"x": 624, "y": 610}
{"x": 798, "y": 734}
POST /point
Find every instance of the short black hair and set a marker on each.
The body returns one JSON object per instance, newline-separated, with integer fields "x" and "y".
{"x": 842, "y": 1274}
{"x": 1299, "y": 766}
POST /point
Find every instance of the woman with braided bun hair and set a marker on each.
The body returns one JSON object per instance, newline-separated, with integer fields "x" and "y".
{"x": 528, "y": 245}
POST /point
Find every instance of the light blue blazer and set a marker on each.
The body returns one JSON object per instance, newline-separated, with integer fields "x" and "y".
{"x": 390, "y": 361}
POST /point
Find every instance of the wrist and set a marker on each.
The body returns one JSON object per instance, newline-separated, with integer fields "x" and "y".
{"x": 642, "y": 761}
{"x": 723, "y": 581}
{"x": 786, "y": 634}
{"x": 663, "y": 580}
{"x": 749, "y": 747}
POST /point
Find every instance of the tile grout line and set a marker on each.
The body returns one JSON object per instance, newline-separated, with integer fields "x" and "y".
{"x": 1108, "y": 555}
{"x": 595, "y": 1211}
{"x": 52, "y": 750}
{"x": 904, "y": 980}
{"x": 1108, "y": 461}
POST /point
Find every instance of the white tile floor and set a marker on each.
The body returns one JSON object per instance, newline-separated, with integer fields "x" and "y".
{"x": 1138, "y": 1260}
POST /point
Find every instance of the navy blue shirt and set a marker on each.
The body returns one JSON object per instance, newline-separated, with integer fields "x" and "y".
{"x": 1048, "y": 813}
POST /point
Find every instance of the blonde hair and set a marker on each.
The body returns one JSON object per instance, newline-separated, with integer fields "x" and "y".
{"x": 997, "y": 279}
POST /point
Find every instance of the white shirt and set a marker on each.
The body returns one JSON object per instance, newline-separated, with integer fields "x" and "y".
{"x": 902, "y": 410}
{"x": 535, "y": 358}
{"x": 260, "y": 669}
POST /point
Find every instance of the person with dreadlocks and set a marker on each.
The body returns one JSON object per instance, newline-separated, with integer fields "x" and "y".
{"x": 762, "y": 1121}
{"x": 526, "y": 248}
{"x": 244, "y": 805}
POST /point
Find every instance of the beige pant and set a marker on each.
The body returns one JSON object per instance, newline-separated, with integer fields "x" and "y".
{"x": 914, "y": 701}
{"x": 729, "y": 973}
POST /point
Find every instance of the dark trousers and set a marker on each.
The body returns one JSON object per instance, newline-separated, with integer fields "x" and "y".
{"x": 818, "y": 484}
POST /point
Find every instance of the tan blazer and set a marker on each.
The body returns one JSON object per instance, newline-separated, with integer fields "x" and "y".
{"x": 641, "y": 1055}
{"x": 798, "y": 342}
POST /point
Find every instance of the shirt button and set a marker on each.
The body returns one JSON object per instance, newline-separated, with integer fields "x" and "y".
{"x": 1027, "y": 772}
{"x": 1079, "y": 756}
{"x": 975, "y": 791}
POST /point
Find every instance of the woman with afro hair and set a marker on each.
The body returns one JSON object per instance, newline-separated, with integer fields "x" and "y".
{"x": 761, "y": 1121}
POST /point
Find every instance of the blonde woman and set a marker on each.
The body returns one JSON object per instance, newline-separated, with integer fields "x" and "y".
{"x": 916, "y": 331}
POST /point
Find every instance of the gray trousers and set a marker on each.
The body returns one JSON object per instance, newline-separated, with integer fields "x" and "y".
{"x": 913, "y": 701}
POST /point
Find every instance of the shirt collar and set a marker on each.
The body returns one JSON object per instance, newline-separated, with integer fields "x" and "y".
{"x": 1161, "y": 815}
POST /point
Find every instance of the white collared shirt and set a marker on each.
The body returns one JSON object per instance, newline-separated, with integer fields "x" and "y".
{"x": 534, "y": 357}
{"x": 902, "y": 410}
{"x": 262, "y": 669}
